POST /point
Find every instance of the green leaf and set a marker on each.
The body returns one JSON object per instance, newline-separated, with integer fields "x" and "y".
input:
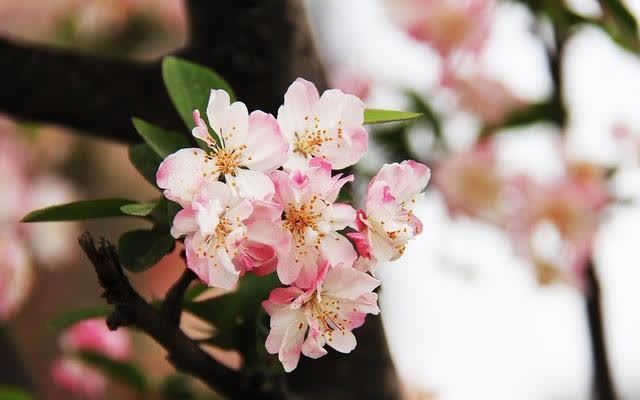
{"x": 141, "y": 249}
{"x": 163, "y": 142}
{"x": 139, "y": 209}
{"x": 13, "y": 393}
{"x": 621, "y": 15}
{"x": 121, "y": 371}
{"x": 79, "y": 210}
{"x": 146, "y": 161}
{"x": 237, "y": 317}
{"x": 68, "y": 319}
{"x": 189, "y": 86}
{"x": 429, "y": 113}
{"x": 376, "y": 116}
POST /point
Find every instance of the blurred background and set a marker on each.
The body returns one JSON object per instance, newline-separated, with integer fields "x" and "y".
{"x": 533, "y": 137}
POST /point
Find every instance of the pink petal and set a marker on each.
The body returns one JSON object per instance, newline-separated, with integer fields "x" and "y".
{"x": 347, "y": 283}
{"x": 181, "y": 174}
{"x": 342, "y": 341}
{"x": 266, "y": 146}
{"x": 184, "y": 223}
{"x": 338, "y": 251}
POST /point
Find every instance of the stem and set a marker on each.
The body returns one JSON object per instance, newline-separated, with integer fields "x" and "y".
{"x": 603, "y": 387}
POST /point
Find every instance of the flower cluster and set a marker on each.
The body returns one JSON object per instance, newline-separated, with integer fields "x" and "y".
{"x": 263, "y": 198}
{"x": 71, "y": 374}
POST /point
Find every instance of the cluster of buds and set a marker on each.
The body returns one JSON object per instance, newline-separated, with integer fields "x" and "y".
{"x": 263, "y": 198}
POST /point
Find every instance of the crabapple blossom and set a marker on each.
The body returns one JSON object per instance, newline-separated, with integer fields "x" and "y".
{"x": 327, "y": 126}
{"x": 303, "y": 321}
{"x": 94, "y": 335}
{"x": 16, "y": 275}
{"x": 312, "y": 220}
{"x": 557, "y": 221}
{"x": 78, "y": 379}
{"x": 246, "y": 146}
{"x": 447, "y": 25}
{"x": 470, "y": 183}
{"x": 223, "y": 236}
{"x": 388, "y": 223}
{"x": 487, "y": 98}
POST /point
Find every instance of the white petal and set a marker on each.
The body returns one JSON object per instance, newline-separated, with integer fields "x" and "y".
{"x": 348, "y": 283}
{"x": 254, "y": 184}
{"x": 181, "y": 174}
{"x": 338, "y": 251}
{"x": 342, "y": 341}
{"x": 267, "y": 148}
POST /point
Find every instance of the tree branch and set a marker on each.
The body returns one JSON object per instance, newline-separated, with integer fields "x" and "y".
{"x": 603, "y": 388}
{"x": 260, "y": 47}
{"x": 132, "y": 309}
{"x": 171, "y": 306}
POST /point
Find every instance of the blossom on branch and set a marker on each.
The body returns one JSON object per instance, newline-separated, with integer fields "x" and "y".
{"x": 387, "y": 223}
{"x": 327, "y": 126}
{"x": 303, "y": 321}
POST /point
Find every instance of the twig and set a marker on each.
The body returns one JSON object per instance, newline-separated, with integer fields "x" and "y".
{"x": 171, "y": 306}
{"x": 603, "y": 387}
{"x": 132, "y": 309}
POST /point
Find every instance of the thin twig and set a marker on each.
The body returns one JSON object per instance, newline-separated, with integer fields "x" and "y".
{"x": 171, "y": 306}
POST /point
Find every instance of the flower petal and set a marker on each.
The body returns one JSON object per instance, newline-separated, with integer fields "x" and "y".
{"x": 342, "y": 341}
{"x": 267, "y": 148}
{"x": 181, "y": 175}
{"x": 337, "y": 250}
{"x": 347, "y": 283}
{"x": 254, "y": 184}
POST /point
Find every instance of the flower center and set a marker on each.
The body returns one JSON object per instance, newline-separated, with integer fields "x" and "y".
{"x": 227, "y": 161}
{"x": 217, "y": 239}
{"x": 311, "y": 140}
{"x": 298, "y": 219}
{"x": 327, "y": 310}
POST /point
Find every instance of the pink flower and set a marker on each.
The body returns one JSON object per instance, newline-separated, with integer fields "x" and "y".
{"x": 223, "y": 238}
{"x": 447, "y": 25}
{"x": 351, "y": 82}
{"x": 554, "y": 224}
{"x": 244, "y": 149}
{"x": 79, "y": 379}
{"x": 312, "y": 220}
{"x": 328, "y": 127}
{"x": 94, "y": 335}
{"x": 16, "y": 275}
{"x": 486, "y": 97}
{"x": 303, "y": 321}
{"x": 470, "y": 183}
{"x": 388, "y": 223}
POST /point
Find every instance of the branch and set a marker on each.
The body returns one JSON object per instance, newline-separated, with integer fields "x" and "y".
{"x": 603, "y": 387}
{"x": 171, "y": 306}
{"x": 259, "y": 47}
{"x": 132, "y": 309}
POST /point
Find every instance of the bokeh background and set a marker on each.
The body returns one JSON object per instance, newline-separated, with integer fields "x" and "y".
{"x": 473, "y": 310}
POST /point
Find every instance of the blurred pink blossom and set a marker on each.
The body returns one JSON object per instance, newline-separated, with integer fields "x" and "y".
{"x": 94, "y": 335}
{"x": 446, "y": 25}
{"x": 470, "y": 183}
{"x": 16, "y": 275}
{"x": 24, "y": 187}
{"x": 487, "y": 98}
{"x": 350, "y": 82}
{"x": 78, "y": 379}
{"x": 554, "y": 224}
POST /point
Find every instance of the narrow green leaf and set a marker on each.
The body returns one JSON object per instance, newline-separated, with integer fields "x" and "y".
{"x": 123, "y": 372}
{"x": 189, "y": 86}
{"x": 140, "y": 250}
{"x": 162, "y": 141}
{"x": 68, "y": 319}
{"x": 79, "y": 210}
{"x": 146, "y": 161}
{"x": 13, "y": 393}
{"x": 376, "y": 116}
{"x": 139, "y": 209}
{"x": 621, "y": 15}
